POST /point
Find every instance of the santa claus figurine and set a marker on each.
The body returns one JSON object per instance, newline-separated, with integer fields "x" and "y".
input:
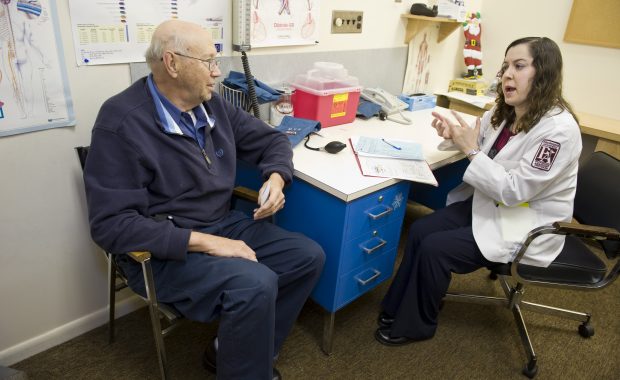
{"x": 472, "y": 51}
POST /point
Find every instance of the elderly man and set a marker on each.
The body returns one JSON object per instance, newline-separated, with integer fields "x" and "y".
{"x": 159, "y": 177}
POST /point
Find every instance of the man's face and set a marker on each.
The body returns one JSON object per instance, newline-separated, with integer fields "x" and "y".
{"x": 197, "y": 81}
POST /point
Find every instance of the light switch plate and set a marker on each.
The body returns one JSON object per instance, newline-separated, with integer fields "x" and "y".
{"x": 347, "y": 21}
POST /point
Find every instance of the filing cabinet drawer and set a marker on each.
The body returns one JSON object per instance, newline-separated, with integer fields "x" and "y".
{"x": 364, "y": 278}
{"x": 369, "y": 245}
{"x": 377, "y": 209}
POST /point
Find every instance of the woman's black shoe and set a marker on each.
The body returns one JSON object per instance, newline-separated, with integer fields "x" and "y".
{"x": 385, "y": 320}
{"x": 382, "y": 335}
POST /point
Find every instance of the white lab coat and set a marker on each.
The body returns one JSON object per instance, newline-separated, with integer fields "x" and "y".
{"x": 517, "y": 175}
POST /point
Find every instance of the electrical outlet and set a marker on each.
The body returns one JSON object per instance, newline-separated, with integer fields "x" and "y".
{"x": 347, "y": 21}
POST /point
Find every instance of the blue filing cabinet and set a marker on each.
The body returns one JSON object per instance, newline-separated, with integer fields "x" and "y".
{"x": 360, "y": 239}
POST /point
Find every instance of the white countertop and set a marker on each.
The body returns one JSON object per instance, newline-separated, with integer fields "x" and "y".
{"x": 339, "y": 174}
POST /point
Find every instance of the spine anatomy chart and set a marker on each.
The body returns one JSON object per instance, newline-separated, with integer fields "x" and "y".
{"x": 33, "y": 88}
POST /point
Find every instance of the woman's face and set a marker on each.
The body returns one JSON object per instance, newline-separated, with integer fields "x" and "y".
{"x": 518, "y": 77}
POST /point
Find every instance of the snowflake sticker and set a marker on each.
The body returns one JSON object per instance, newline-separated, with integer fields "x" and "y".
{"x": 398, "y": 201}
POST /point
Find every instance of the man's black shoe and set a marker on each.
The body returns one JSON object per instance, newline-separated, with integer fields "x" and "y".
{"x": 385, "y": 320}
{"x": 382, "y": 335}
{"x": 209, "y": 360}
{"x": 276, "y": 374}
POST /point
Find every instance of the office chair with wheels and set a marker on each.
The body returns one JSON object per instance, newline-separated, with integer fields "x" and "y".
{"x": 159, "y": 312}
{"x": 597, "y": 205}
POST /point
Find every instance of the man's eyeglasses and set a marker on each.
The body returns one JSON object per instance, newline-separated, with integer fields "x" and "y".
{"x": 211, "y": 63}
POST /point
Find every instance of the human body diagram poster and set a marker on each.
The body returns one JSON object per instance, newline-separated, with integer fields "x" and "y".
{"x": 34, "y": 92}
{"x": 119, "y": 31}
{"x": 418, "y": 72}
{"x": 284, "y": 22}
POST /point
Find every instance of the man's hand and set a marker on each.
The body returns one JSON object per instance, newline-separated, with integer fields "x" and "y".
{"x": 219, "y": 246}
{"x": 270, "y": 197}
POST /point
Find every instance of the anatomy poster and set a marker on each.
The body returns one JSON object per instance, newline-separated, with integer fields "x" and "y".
{"x": 119, "y": 31}
{"x": 284, "y": 22}
{"x": 34, "y": 92}
{"x": 418, "y": 73}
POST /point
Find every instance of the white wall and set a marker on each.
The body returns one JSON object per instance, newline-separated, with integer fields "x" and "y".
{"x": 50, "y": 274}
{"x": 52, "y": 278}
{"x": 591, "y": 73}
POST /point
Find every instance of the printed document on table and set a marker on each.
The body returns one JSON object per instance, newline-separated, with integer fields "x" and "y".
{"x": 386, "y": 147}
{"x": 410, "y": 170}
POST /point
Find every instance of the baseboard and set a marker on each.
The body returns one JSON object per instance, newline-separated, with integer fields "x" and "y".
{"x": 66, "y": 332}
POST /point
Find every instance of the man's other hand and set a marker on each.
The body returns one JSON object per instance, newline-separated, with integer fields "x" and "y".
{"x": 270, "y": 197}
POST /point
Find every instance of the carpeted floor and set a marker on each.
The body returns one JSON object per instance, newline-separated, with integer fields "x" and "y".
{"x": 472, "y": 342}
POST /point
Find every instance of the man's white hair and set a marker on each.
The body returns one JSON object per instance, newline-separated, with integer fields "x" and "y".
{"x": 155, "y": 52}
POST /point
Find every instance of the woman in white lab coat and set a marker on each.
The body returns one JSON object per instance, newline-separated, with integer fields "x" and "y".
{"x": 523, "y": 173}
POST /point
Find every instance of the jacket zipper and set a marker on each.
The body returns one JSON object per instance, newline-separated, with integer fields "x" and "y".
{"x": 204, "y": 154}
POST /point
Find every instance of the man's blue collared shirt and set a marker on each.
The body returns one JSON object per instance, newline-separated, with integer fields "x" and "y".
{"x": 178, "y": 122}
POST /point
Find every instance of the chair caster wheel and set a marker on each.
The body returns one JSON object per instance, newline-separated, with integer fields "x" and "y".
{"x": 530, "y": 370}
{"x": 586, "y": 330}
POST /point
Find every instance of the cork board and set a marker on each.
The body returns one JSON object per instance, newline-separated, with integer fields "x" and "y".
{"x": 594, "y": 22}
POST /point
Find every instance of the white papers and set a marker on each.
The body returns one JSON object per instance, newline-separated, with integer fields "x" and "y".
{"x": 411, "y": 170}
{"x": 265, "y": 194}
{"x": 380, "y": 147}
{"x": 516, "y": 221}
{"x": 480, "y": 101}
{"x": 375, "y": 165}
{"x": 110, "y": 31}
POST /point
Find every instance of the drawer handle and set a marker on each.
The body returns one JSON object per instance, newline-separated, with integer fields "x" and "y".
{"x": 387, "y": 211}
{"x": 369, "y": 279}
{"x": 377, "y": 246}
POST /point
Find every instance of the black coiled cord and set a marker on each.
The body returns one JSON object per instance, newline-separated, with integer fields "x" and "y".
{"x": 250, "y": 81}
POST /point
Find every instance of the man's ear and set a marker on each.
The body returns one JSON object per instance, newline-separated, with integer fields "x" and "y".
{"x": 170, "y": 64}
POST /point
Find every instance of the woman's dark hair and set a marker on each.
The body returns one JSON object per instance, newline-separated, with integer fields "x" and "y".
{"x": 546, "y": 90}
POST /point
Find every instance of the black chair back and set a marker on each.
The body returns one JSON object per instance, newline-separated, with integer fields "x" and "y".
{"x": 597, "y": 201}
{"x": 82, "y": 152}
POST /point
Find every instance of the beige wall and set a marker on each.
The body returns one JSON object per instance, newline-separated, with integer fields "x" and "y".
{"x": 52, "y": 278}
{"x": 591, "y": 73}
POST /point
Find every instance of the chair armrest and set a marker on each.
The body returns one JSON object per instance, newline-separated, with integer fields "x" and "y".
{"x": 246, "y": 193}
{"x": 565, "y": 228}
{"x": 167, "y": 311}
{"x": 574, "y": 229}
{"x": 584, "y": 230}
{"x": 140, "y": 257}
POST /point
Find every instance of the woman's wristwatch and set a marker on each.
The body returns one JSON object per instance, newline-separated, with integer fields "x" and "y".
{"x": 472, "y": 153}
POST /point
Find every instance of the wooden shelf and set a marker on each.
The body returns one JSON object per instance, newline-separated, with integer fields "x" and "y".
{"x": 416, "y": 23}
{"x": 605, "y": 129}
{"x": 599, "y": 126}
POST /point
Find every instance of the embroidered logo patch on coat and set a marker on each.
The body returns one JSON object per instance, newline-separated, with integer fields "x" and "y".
{"x": 546, "y": 154}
